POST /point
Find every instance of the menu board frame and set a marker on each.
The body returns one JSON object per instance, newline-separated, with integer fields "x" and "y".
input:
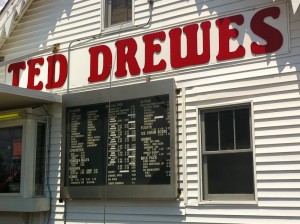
{"x": 115, "y": 94}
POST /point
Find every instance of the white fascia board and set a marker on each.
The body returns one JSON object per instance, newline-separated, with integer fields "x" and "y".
{"x": 11, "y": 14}
{"x": 18, "y": 204}
{"x": 14, "y": 97}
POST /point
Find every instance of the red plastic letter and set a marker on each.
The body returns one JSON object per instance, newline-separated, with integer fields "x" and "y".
{"x": 126, "y": 50}
{"x": 151, "y": 49}
{"x": 225, "y": 34}
{"x": 192, "y": 57}
{"x": 33, "y": 71}
{"x": 63, "y": 71}
{"x": 16, "y": 68}
{"x": 272, "y": 36}
{"x": 94, "y": 64}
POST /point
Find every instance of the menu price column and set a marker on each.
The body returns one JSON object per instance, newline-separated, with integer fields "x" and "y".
{"x": 122, "y": 144}
{"x": 93, "y": 146}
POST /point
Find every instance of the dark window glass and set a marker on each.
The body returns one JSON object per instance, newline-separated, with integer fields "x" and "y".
{"x": 118, "y": 11}
{"x": 40, "y": 159}
{"x": 242, "y": 127}
{"x": 230, "y": 173}
{"x": 211, "y": 131}
{"x": 227, "y": 172}
{"x": 10, "y": 159}
{"x": 226, "y": 130}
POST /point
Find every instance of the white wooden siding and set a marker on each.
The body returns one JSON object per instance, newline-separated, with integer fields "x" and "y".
{"x": 271, "y": 82}
{"x": 273, "y": 85}
{"x": 49, "y": 22}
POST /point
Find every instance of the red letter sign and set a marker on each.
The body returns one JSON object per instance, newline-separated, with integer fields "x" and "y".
{"x": 94, "y": 66}
{"x": 33, "y": 71}
{"x": 192, "y": 57}
{"x": 151, "y": 49}
{"x": 63, "y": 71}
{"x": 16, "y": 68}
{"x": 126, "y": 50}
{"x": 272, "y": 36}
{"x": 225, "y": 34}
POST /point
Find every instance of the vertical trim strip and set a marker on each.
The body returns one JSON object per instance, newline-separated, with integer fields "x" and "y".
{"x": 184, "y": 159}
{"x": 253, "y": 151}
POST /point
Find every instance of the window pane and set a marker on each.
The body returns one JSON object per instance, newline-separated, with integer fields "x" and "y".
{"x": 40, "y": 159}
{"x": 211, "y": 131}
{"x": 242, "y": 127}
{"x": 10, "y": 159}
{"x": 226, "y": 130}
{"x": 121, "y": 11}
{"x": 230, "y": 173}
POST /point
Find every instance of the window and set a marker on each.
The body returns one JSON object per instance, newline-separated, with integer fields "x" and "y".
{"x": 22, "y": 154}
{"x": 40, "y": 158}
{"x": 227, "y": 155}
{"x": 10, "y": 159}
{"x": 117, "y": 12}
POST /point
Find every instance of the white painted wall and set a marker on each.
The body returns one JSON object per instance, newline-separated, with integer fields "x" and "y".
{"x": 271, "y": 82}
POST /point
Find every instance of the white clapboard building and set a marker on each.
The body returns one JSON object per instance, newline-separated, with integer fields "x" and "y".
{"x": 150, "y": 111}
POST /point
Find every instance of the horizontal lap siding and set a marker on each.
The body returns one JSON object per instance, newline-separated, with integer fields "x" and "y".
{"x": 57, "y": 209}
{"x": 273, "y": 86}
{"x": 49, "y": 22}
{"x": 272, "y": 83}
{"x": 171, "y": 12}
{"x": 277, "y": 144}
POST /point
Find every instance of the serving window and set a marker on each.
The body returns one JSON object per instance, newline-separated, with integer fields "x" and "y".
{"x": 10, "y": 158}
{"x": 23, "y": 137}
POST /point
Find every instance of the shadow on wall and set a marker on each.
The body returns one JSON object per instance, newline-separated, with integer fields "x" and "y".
{"x": 52, "y": 23}
{"x": 61, "y": 14}
{"x": 210, "y": 6}
{"x": 41, "y": 26}
{"x": 293, "y": 61}
{"x": 286, "y": 61}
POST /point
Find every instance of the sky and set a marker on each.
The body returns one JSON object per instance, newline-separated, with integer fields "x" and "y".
{"x": 295, "y": 4}
{"x": 2, "y": 3}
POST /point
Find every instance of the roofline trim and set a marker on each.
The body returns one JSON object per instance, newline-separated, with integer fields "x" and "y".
{"x": 8, "y": 19}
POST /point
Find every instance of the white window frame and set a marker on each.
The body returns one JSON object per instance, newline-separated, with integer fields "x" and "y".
{"x": 18, "y": 201}
{"x": 228, "y": 199}
{"x": 122, "y": 25}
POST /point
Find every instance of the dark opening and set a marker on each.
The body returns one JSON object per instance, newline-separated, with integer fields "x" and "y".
{"x": 230, "y": 173}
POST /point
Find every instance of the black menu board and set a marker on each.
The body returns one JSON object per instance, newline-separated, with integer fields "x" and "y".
{"x": 121, "y": 143}
{"x": 85, "y": 144}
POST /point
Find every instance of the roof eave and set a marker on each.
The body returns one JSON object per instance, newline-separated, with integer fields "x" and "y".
{"x": 10, "y": 16}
